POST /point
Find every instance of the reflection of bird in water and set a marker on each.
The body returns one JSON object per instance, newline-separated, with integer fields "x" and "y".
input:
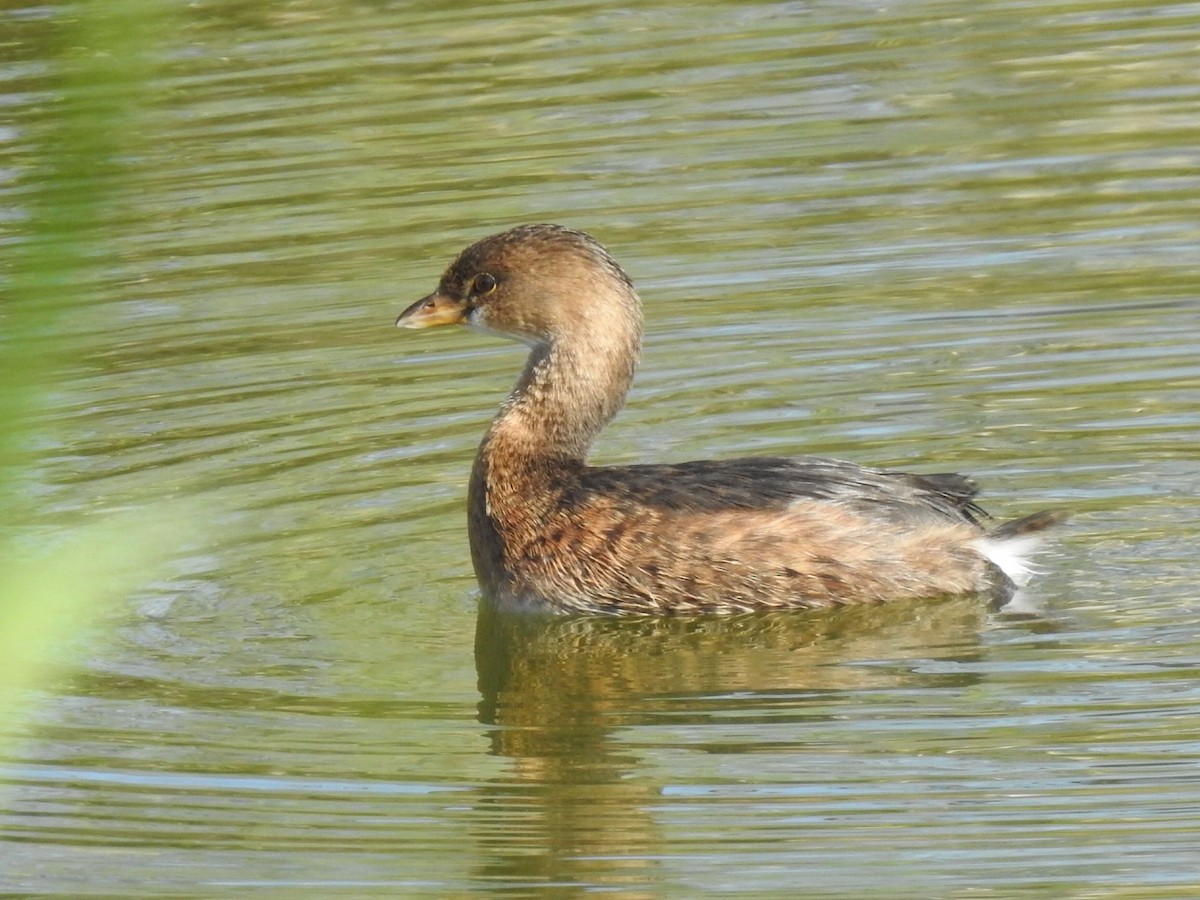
{"x": 585, "y": 710}
{"x": 548, "y": 531}
{"x": 537, "y": 670}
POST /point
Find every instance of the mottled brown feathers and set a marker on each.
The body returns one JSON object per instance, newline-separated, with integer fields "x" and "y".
{"x": 550, "y": 532}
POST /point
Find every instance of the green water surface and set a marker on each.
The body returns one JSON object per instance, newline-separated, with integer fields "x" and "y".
{"x": 932, "y": 235}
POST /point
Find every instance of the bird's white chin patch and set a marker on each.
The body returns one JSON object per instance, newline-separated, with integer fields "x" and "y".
{"x": 475, "y": 323}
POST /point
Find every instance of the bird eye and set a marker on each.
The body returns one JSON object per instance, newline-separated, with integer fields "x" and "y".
{"x": 483, "y": 284}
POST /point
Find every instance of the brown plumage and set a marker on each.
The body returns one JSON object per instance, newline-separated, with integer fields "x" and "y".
{"x": 550, "y": 532}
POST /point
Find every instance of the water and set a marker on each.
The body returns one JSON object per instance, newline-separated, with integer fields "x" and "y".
{"x": 926, "y": 235}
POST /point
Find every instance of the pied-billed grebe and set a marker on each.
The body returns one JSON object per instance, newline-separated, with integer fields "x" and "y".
{"x": 550, "y": 532}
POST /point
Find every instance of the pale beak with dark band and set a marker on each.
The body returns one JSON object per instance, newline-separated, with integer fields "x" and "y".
{"x": 436, "y": 309}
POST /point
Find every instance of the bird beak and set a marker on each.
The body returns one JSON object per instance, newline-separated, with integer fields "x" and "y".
{"x": 436, "y": 309}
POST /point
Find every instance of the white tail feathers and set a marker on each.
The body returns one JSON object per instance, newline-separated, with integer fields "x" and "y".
{"x": 1011, "y": 554}
{"x": 1010, "y": 546}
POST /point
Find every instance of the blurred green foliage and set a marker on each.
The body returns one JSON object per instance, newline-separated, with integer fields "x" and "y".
{"x": 53, "y": 584}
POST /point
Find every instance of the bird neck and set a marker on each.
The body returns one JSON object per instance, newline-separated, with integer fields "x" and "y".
{"x": 569, "y": 390}
{"x": 572, "y": 386}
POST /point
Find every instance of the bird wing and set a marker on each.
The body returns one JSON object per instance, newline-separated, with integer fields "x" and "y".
{"x": 765, "y": 483}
